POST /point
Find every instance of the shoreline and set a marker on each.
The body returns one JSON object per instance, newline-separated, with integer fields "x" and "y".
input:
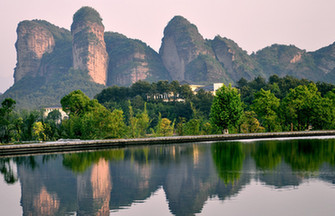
{"x": 62, "y": 146}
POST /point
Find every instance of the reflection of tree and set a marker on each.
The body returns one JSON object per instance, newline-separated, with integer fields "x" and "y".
{"x": 267, "y": 155}
{"x": 308, "y": 155}
{"x": 228, "y": 159}
{"x": 6, "y": 170}
{"x": 301, "y": 155}
{"x": 6, "y": 167}
{"x": 79, "y": 162}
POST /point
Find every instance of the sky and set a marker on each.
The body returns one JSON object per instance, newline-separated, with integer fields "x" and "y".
{"x": 252, "y": 24}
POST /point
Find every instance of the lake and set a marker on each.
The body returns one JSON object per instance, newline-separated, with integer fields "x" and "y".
{"x": 250, "y": 177}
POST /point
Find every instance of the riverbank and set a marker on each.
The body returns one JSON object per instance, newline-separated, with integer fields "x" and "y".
{"x": 82, "y": 145}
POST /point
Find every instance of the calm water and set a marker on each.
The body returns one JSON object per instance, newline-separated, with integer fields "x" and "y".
{"x": 269, "y": 177}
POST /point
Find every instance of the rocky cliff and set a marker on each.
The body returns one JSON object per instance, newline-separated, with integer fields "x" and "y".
{"x": 88, "y": 45}
{"x": 33, "y": 41}
{"x": 187, "y": 56}
{"x": 42, "y": 49}
{"x": 132, "y": 60}
{"x": 182, "y": 43}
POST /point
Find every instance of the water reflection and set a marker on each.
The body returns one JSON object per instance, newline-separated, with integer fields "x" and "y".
{"x": 228, "y": 159}
{"x": 93, "y": 183}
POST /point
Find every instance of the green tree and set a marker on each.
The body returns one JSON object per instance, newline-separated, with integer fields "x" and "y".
{"x": 192, "y": 127}
{"x": 266, "y": 106}
{"x": 133, "y": 132}
{"x": 143, "y": 122}
{"x": 90, "y": 120}
{"x": 75, "y": 103}
{"x": 6, "y": 120}
{"x": 250, "y": 124}
{"x": 163, "y": 127}
{"x": 38, "y": 131}
{"x": 299, "y": 107}
{"x": 227, "y": 108}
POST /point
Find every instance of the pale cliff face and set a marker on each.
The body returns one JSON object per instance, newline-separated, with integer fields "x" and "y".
{"x": 173, "y": 63}
{"x": 89, "y": 50}
{"x": 138, "y": 72}
{"x": 181, "y": 44}
{"x": 33, "y": 41}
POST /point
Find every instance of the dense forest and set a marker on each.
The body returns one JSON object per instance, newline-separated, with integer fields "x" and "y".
{"x": 166, "y": 108}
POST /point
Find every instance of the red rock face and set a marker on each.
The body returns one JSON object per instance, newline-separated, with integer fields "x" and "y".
{"x": 33, "y": 40}
{"x": 89, "y": 50}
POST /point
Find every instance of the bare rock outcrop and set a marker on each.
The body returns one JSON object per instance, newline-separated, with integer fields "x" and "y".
{"x": 33, "y": 41}
{"x": 88, "y": 45}
{"x": 182, "y": 43}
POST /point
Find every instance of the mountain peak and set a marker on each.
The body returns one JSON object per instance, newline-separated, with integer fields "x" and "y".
{"x": 86, "y": 14}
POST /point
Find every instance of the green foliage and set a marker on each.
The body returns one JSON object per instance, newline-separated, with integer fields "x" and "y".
{"x": 192, "y": 127}
{"x": 249, "y": 123}
{"x": 227, "y": 109}
{"x": 38, "y": 131}
{"x": 90, "y": 120}
{"x": 299, "y": 106}
{"x": 163, "y": 127}
{"x": 266, "y": 106}
{"x": 6, "y": 120}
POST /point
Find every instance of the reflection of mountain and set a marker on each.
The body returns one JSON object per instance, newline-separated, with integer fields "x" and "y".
{"x": 281, "y": 176}
{"x": 52, "y": 190}
{"x": 93, "y": 190}
{"x": 48, "y": 189}
{"x": 188, "y": 173}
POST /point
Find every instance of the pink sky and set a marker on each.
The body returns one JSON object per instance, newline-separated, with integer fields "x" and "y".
{"x": 252, "y": 24}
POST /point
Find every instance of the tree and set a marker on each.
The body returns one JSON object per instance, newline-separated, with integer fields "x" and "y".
{"x": 6, "y": 120}
{"x": 38, "y": 131}
{"x": 141, "y": 88}
{"x": 299, "y": 107}
{"x": 75, "y": 103}
{"x": 250, "y": 123}
{"x": 202, "y": 101}
{"x": 143, "y": 122}
{"x": 266, "y": 106}
{"x": 227, "y": 108}
{"x": 90, "y": 120}
{"x": 163, "y": 127}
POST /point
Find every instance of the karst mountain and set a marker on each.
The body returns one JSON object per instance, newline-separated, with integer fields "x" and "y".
{"x": 53, "y": 61}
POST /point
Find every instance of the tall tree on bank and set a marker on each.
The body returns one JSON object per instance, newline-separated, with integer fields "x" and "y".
{"x": 88, "y": 119}
{"x": 301, "y": 106}
{"x": 227, "y": 108}
{"x": 6, "y": 120}
{"x": 266, "y": 105}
